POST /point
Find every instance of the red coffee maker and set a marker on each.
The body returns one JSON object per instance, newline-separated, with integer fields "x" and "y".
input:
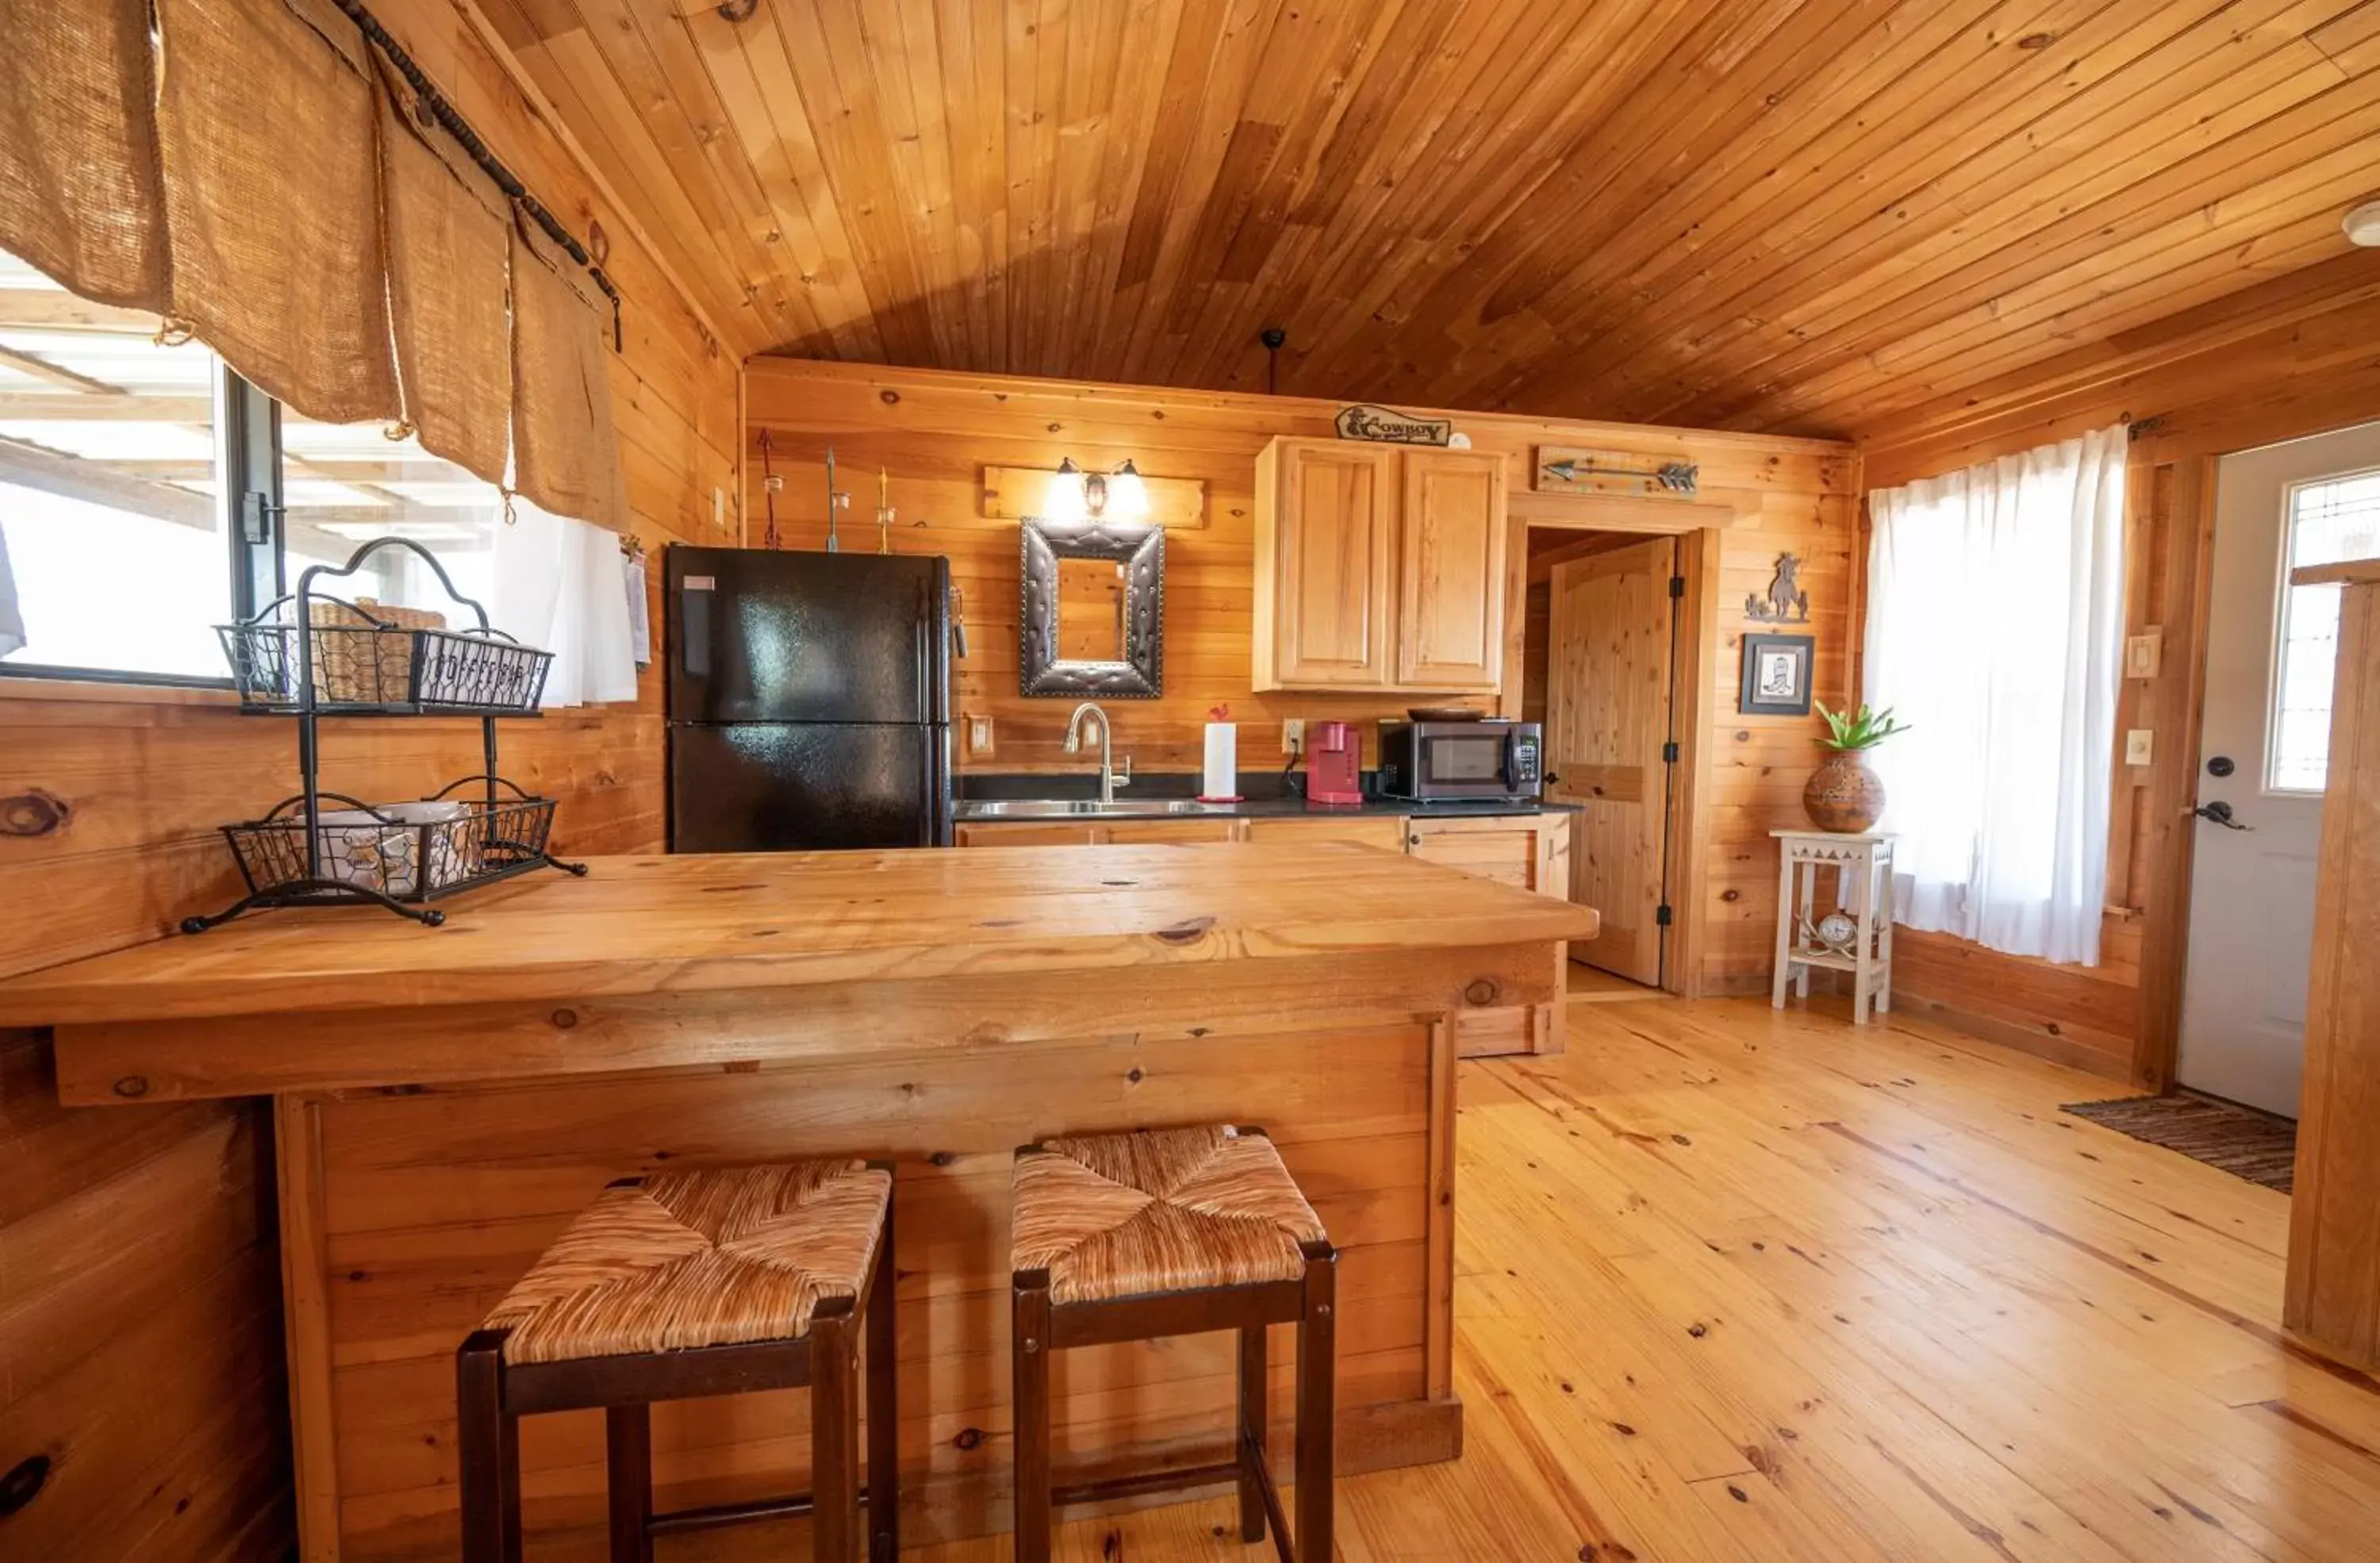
{"x": 1334, "y": 766}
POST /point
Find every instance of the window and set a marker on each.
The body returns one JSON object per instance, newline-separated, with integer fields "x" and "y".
{"x": 345, "y": 484}
{"x": 2328, "y": 521}
{"x": 1995, "y": 628}
{"x": 111, "y": 470}
{"x": 117, "y": 455}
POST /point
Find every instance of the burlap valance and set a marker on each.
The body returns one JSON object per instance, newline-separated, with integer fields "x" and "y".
{"x": 273, "y": 205}
{"x": 246, "y": 174}
{"x": 447, "y": 257}
{"x": 81, "y": 195}
{"x": 565, "y": 455}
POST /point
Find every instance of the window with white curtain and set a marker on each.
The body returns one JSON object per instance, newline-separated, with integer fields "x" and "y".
{"x": 1995, "y": 628}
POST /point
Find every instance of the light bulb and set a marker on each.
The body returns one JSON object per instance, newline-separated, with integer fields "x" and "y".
{"x": 1063, "y": 499}
{"x": 1127, "y": 494}
{"x": 2362, "y": 225}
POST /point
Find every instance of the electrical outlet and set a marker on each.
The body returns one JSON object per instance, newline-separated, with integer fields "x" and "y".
{"x": 1292, "y": 736}
{"x": 978, "y": 735}
{"x": 2139, "y": 747}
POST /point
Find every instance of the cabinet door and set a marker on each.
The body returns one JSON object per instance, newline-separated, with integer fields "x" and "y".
{"x": 1147, "y": 833}
{"x": 1516, "y": 850}
{"x": 1384, "y": 832}
{"x": 998, "y": 835}
{"x": 1327, "y": 515}
{"x": 1451, "y": 572}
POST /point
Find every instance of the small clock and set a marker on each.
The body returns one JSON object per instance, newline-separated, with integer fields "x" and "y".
{"x": 1839, "y": 930}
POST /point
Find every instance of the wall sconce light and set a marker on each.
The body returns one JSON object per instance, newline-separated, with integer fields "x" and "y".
{"x": 1077, "y": 495}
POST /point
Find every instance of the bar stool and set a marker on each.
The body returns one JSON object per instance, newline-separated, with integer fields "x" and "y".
{"x": 690, "y": 1284}
{"x": 1131, "y": 1236}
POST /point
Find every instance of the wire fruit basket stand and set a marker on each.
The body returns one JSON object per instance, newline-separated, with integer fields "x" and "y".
{"x": 311, "y": 655}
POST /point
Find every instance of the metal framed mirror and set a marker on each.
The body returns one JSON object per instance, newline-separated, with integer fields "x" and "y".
{"x": 1093, "y": 613}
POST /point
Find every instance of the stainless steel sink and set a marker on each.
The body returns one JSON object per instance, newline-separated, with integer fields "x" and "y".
{"x": 1080, "y": 808}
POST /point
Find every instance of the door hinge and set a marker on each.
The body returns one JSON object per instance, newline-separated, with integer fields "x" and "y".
{"x": 1662, "y": 915}
{"x": 1669, "y": 752}
{"x": 1677, "y": 585}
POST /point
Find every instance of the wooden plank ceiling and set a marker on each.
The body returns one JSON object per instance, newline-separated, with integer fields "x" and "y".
{"x": 1814, "y": 216}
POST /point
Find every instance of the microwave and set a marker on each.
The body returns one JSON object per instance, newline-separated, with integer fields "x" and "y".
{"x": 1432, "y": 761}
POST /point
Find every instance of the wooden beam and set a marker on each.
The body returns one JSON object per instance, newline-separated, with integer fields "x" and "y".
{"x": 30, "y": 466}
{"x": 42, "y": 407}
{"x": 54, "y": 309}
{"x": 56, "y": 374}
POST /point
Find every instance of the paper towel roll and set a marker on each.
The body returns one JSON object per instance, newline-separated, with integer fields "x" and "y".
{"x": 1222, "y": 774}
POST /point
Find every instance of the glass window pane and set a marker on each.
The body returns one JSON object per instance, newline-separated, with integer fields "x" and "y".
{"x": 347, "y": 484}
{"x": 2336, "y": 519}
{"x": 109, "y": 483}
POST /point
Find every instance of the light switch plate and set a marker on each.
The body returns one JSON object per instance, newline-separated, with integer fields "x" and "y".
{"x": 2139, "y": 747}
{"x": 978, "y": 735}
{"x": 2143, "y": 653}
{"x": 1292, "y": 736}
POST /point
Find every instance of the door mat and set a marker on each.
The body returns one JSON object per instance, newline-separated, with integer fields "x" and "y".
{"x": 2242, "y": 1141}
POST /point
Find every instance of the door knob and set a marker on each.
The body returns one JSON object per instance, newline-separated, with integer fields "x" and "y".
{"x": 2220, "y": 813}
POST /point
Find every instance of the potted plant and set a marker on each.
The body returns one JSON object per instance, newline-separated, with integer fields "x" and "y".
{"x": 1843, "y": 794}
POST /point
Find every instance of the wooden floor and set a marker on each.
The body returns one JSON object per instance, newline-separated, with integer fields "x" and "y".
{"x": 1746, "y": 1285}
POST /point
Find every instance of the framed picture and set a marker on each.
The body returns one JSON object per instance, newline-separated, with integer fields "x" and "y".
{"x": 1776, "y": 675}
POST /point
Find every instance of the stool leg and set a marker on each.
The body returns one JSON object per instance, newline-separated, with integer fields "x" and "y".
{"x": 1251, "y": 1432}
{"x": 1318, "y": 1370}
{"x": 628, "y": 1475}
{"x": 883, "y": 1408}
{"x": 834, "y": 1439}
{"x": 1029, "y": 1351}
{"x": 487, "y": 1444}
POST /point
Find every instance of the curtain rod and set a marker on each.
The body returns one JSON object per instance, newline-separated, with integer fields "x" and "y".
{"x": 450, "y": 120}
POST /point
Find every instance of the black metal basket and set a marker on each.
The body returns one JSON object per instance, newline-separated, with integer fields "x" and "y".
{"x": 375, "y": 665}
{"x": 408, "y": 853}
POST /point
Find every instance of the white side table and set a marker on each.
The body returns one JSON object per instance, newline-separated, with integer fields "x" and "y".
{"x": 1863, "y": 866}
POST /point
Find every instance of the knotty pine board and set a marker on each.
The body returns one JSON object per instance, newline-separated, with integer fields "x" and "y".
{"x": 141, "y": 1336}
{"x": 1810, "y": 217}
{"x": 431, "y": 1204}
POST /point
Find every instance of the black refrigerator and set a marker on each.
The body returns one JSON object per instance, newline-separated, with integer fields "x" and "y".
{"x": 810, "y": 702}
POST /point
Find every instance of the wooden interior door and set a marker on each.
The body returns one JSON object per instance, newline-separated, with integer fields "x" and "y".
{"x": 1451, "y": 572}
{"x": 1336, "y": 543}
{"x": 1607, "y": 732}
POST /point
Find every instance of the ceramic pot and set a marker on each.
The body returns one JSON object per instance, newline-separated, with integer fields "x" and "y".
{"x": 1843, "y": 794}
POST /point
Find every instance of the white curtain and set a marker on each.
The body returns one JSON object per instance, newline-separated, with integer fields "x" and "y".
{"x": 561, "y": 585}
{"x": 1995, "y": 626}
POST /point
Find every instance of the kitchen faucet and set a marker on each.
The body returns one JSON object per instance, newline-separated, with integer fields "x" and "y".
{"x": 1109, "y": 778}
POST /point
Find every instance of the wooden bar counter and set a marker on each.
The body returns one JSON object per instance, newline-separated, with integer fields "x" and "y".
{"x": 444, "y": 1099}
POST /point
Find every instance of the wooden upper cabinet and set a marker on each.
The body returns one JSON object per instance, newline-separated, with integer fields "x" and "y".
{"x": 1451, "y": 572}
{"x": 1326, "y": 553}
{"x": 1378, "y": 567}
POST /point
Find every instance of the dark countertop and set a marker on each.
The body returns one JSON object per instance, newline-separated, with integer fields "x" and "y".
{"x": 1266, "y": 797}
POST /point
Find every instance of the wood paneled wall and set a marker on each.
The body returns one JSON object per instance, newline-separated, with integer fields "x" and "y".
{"x": 2280, "y": 362}
{"x": 936, "y": 433}
{"x": 139, "y": 1314}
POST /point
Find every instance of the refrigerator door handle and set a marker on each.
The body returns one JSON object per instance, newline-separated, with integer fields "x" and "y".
{"x": 694, "y": 623}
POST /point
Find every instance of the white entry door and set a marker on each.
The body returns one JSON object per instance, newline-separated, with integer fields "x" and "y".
{"x": 2266, "y": 732}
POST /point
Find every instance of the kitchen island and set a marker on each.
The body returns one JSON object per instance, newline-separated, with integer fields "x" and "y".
{"x": 443, "y": 1100}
